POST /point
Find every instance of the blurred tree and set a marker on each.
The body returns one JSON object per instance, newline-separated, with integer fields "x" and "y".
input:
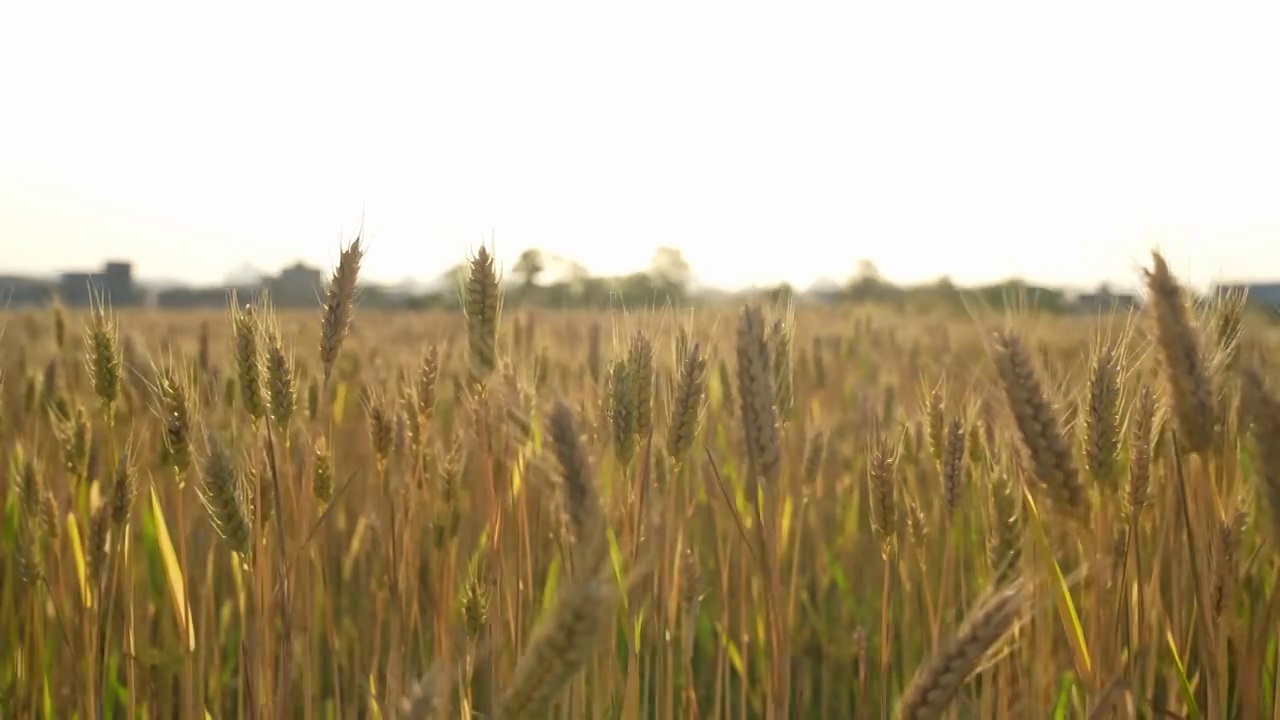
{"x": 576, "y": 272}
{"x": 781, "y": 293}
{"x": 452, "y": 278}
{"x": 670, "y": 271}
{"x": 452, "y": 282}
{"x": 867, "y": 285}
{"x": 529, "y": 266}
{"x": 867, "y": 270}
{"x": 635, "y": 290}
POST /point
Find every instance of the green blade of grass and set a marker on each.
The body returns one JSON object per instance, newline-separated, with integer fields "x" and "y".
{"x": 77, "y": 554}
{"x": 173, "y": 573}
{"x": 1066, "y": 606}
{"x": 1188, "y": 694}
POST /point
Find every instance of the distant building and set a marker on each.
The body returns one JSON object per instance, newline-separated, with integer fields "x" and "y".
{"x": 191, "y": 298}
{"x": 113, "y": 284}
{"x": 17, "y": 291}
{"x": 296, "y": 286}
{"x": 1104, "y": 299}
{"x": 1258, "y": 293}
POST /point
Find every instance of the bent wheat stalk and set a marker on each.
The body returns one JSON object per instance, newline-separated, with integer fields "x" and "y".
{"x": 938, "y": 682}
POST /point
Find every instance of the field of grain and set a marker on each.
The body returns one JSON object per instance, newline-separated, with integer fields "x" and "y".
{"x": 759, "y": 511}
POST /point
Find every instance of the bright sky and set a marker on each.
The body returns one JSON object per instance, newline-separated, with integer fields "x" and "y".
{"x": 1054, "y": 142}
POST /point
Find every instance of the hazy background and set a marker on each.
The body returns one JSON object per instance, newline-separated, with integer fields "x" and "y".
{"x": 977, "y": 140}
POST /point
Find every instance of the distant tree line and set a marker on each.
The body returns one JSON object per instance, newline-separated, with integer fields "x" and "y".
{"x": 540, "y": 279}
{"x": 537, "y": 279}
{"x": 867, "y": 286}
{"x": 544, "y": 280}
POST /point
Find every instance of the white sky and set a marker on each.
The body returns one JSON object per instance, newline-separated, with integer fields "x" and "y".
{"x": 1058, "y": 143}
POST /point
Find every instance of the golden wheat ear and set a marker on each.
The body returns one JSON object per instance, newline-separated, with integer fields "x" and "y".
{"x": 560, "y": 647}
{"x": 757, "y": 399}
{"x": 1040, "y": 428}
{"x": 937, "y": 682}
{"x": 688, "y": 408}
{"x": 1263, "y": 410}
{"x": 1102, "y": 419}
{"x": 482, "y": 307}
{"x": 565, "y": 639}
{"x": 339, "y": 306}
{"x": 1186, "y": 371}
{"x": 225, "y": 496}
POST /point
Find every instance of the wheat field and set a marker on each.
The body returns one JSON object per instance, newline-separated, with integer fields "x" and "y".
{"x": 758, "y": 511}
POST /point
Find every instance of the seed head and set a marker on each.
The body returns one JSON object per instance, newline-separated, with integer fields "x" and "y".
{"x": 1005, "y": 544}
{"x": 281, "y": 382}
{"x": 756, "y": 398}
{"x": 1102, "y": 419}
{"x": 249, "y": 361}
{"x": 688, "y": 408}
{"x": 339, "y": 306}
{"x": 50, "y": 514}
{"x": 381, "y": 429}
{"x": 1039, "y": 427}
{"x": 884, "y": 509}
{"x": 815, "y": 452}
{"x": 428, "y": 379}
{"x": 581, "y": 502}
{"x": 936, "y": 424}
{"x": 60, "y": 326}
{"x": 175, "y": 409}
{"x": 1186, "y": 371}
{"x": 73, "y": 434}
{"x": 780, "y": 341}
{"x": 622, "y": 410}
{"x": 322, "y": 475}
{"x": 27, "y": 547}
{"x": 1141, "y": 424}
{"x": 124, "y": 487}
{"x": 102, "y": 356}
{"x": 640, "y": 362}
{"x": 482, "y": 305}
{"x": 225, "y": 496}
{"x": 475, "y": 607}
{"x": 953, "y": 465}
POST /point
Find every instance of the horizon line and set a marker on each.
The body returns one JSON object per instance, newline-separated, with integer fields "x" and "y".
{"x": 822, "y": 282}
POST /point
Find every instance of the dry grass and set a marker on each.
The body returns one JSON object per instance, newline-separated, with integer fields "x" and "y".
{"x": 725, "y": 513}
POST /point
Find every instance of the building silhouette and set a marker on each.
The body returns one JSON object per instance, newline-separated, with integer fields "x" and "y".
{"x": 296, "y": 286}
{"x": 1267, "y": 293}
{"x": 1104, "y": 299}
{"x": 192, "y": 298}
{"x": 113, "y": 284}
{"x": 19, "y": 291}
